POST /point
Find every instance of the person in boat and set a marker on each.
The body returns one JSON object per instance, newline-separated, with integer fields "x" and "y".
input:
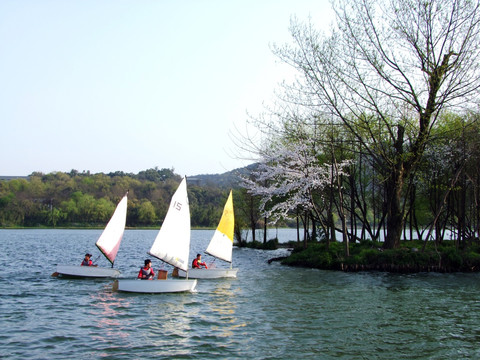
{"x": 146, "y": 272}
{"x": 86, "y": 261}
{"x": 197, "y": 262}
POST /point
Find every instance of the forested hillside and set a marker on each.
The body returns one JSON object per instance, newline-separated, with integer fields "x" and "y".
{"x": 83, "y": 199}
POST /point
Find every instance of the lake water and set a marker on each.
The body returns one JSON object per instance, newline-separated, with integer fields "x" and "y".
{"x": 268, "y": 312}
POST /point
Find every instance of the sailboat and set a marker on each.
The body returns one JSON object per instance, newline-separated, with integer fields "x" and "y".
{"x": 108, "y": 243}
{"x": 172, "y": 245}
{"x": 220, "y": 247}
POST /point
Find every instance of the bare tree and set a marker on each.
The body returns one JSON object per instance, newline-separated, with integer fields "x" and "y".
{"x": 385, "y": 72}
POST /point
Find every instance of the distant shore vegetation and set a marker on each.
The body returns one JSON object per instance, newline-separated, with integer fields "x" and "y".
{"x": 84, "y": 200}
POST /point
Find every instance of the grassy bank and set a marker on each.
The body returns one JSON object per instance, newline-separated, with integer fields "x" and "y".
{"x": 368, "y": 256}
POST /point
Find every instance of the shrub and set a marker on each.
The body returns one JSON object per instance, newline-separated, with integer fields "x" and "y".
{"x": 472, "y": 260}
{"x": 367, "y": 255}
{"x": 451, "y": 258}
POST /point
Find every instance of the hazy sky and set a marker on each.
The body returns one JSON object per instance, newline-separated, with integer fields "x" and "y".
{"x": 106, "y": 85}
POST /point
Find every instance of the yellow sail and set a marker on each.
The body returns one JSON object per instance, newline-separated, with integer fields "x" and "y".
{"x": 228, "y": 218}
{"x": 222, "y": 241}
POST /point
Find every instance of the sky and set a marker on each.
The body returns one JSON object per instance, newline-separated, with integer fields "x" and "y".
{"x": 117, "y": 85}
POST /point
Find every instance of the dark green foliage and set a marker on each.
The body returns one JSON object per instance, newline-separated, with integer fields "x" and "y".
{"x": 451, "y": 257}
{"x": 156, "y": 175}
{"x": 269, "y": 245}
{"x": 206, "y": 205}
{"x": 315, "y": 255}
{"x": 472, "y": 260}
{"x": 369, "y": 256}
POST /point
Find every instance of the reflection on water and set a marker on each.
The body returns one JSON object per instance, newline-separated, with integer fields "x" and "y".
{"x": 166, "y": 319}
{"x": 108, "y": 309}
{"x": 223, "y": 308}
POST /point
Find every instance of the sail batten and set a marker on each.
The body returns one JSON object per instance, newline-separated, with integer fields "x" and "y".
{"x": 172, "y": 244}
{"x": 221, "y": 244}
{"x": 109, "y": 241}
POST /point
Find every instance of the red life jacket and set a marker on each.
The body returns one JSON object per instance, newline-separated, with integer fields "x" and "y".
{"x": 148, "y": 273}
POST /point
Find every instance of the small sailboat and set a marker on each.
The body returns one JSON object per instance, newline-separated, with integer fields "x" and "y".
{"x": 172, "y": 245}
{"x": 220, "y": 247}
{"x": 108, "y": 243}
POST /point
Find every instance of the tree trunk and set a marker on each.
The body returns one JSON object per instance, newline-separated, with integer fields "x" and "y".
{"x": 298, "y": 229}
{"x": 305, "y": 231}
{"x": 394, "y": 214}
{"x": 314, "y": 227}
{"x": 253, "y": 226}
{"x": 265, "y": 230}
{"x": 393, "y": 190}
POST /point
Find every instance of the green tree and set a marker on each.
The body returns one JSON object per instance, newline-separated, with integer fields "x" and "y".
{"x": 103, "y": 210}
{"x": 146, "y": 213}
{"x": 385, "y": 73}
{"x": 86, "y": 208}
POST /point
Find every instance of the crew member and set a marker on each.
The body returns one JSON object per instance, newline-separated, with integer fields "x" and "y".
{"x": 146, "y": 272}
{"x": 86, "y": 261}
{"x": 197, "y": 262}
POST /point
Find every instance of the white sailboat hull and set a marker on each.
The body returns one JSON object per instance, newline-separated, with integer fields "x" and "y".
{"x": 87, "y": 271}
{"x": 154, "y": 286}
{"x": 215, "y": 273}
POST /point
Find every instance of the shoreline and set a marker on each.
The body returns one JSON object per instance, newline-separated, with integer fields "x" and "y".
{"x": 411, "y": 257}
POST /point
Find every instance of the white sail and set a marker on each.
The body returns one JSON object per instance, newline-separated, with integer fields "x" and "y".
{"x": 172, "y": 243}
{"x": 222, "y": 241}
{"x": 109, "y": 242}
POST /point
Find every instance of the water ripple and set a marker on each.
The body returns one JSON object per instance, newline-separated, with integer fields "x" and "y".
{"x": 268, "y": 312}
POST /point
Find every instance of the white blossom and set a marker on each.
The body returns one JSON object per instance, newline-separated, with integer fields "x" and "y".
{"x": 287, "y": 177}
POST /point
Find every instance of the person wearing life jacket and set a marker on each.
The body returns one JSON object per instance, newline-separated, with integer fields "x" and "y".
{"x": 146, "y": 272}
{"x": 197, "y": 264}
{"x": 86, "y": 261}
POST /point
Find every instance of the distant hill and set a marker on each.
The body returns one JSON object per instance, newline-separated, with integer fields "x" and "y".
{"x": 230, "y": 179}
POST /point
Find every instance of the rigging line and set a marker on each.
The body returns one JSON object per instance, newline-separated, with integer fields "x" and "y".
{"x": 94, "y": 261}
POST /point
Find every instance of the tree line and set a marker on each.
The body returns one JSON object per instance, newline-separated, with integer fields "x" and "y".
{"x": 60, "y": 199}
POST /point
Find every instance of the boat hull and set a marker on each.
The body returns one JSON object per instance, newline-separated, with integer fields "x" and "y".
{"x": 215, "y": 273}
{"x": 87, "y": 271}
{"x": 154, "y": 286}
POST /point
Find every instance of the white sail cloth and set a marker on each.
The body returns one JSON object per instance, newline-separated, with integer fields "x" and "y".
{"x": 109, "y": 242}
{"x": 172, "y": 243}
